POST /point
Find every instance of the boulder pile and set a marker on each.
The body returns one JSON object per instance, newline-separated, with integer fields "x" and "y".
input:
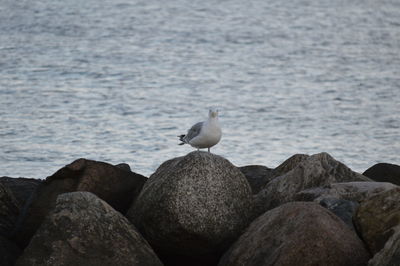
{"x": 199, "y": 209}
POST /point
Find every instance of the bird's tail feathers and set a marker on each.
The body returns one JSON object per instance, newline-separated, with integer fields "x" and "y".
{"x": 182, "y": 138}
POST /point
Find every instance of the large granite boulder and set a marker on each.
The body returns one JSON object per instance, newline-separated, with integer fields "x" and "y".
{"x": 9, "y": 252}
{"x": 84, "y": 230}
{"x": 353, "y": 191}
{"x": 9, "y": 211}
{"x": 257, "y": 176}
{"x": 22, "y": 188}
{"x": 116, "y": 186}
{"x": 192, "y": 208}
{"x": 297, "y": 233}
{"x": 313, "y": 171}
{"x": 384, "y": 172}
{"x": 378, "y": 219}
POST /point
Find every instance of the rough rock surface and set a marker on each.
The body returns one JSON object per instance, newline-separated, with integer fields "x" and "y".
{"x": 378, "y": 219}
{"x": 22, "y": 188}
{"x": 315, "y": 171}
{"x": 290, "y": 164}
{"x": 9, "y": 252}
{"x": 123, "y": 166}
{"x": 354, "y": 191}
{"x": 9, "y": 211}
{"x": 344, "y": 209}
{"x": 257, "y": 176}
{"x": 112, "y": 184}
{"x": 297, "y": 233}
{"x": 384, "y": 172}
{"x": 84, "y": 230}
{"x": 192, "y": 208}
{"x": 389, "y": 255}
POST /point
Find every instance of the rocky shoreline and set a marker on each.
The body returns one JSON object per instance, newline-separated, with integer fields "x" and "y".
{"x": 200, "y": 209}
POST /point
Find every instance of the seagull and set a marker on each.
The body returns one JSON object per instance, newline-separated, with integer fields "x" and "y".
{"x": 203, "y": 134}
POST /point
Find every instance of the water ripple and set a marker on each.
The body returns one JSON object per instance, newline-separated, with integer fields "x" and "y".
{"x": 118, "y": 81}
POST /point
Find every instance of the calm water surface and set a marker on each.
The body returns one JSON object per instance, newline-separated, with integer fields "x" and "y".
{"x": 117, "y": 81}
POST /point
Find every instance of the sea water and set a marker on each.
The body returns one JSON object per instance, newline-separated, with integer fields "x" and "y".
{"x": 119, "y": 80}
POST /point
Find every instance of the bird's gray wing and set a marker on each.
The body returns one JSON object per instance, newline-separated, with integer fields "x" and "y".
{"x": 194, "y": 131}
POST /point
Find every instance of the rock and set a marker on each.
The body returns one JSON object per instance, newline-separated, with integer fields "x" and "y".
{"x": 317, "y": 170}
{"x": 192, "y": 208}
{"x": 123, "y": 166}
{"x": 297, "y": 233}
{"x": 343, "y": 198}
{"x": 353, "y": 191}
{"x": 384, "y": 172}
{"x": 257, "y": 176}
{"x": 389, "y": 255}
{"x": 22, "y": 188}
{"x": 290, "y": 164}
{"x": 84, "y": 230}
{"x": 378, "y": 219}
{"x": 9, "y": 252}
{"x": 344, "y": 209}
{"x": 9, "y": 211}
{"x": 112, "y": 184}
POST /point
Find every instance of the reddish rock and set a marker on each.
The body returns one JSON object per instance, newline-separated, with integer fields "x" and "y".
{"x": 297, "y": 233}
{"x": 116, "y": 186}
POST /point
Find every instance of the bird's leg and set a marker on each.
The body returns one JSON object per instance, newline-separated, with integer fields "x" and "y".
{"x": 198, "y": 149}
{"x": 208, "y": 149}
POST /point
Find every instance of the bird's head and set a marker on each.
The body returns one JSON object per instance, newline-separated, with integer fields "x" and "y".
{"x": 213, "y": 113}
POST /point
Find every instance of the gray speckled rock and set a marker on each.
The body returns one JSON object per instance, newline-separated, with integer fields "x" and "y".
{"x": 192, "y": 208}
{"x": 297, "y": 233}
{"x": 354, "y": 191}
{"x": 9, "y": 211}
{"x": 84, "y": 230}
{"x": 315, "y": 171}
